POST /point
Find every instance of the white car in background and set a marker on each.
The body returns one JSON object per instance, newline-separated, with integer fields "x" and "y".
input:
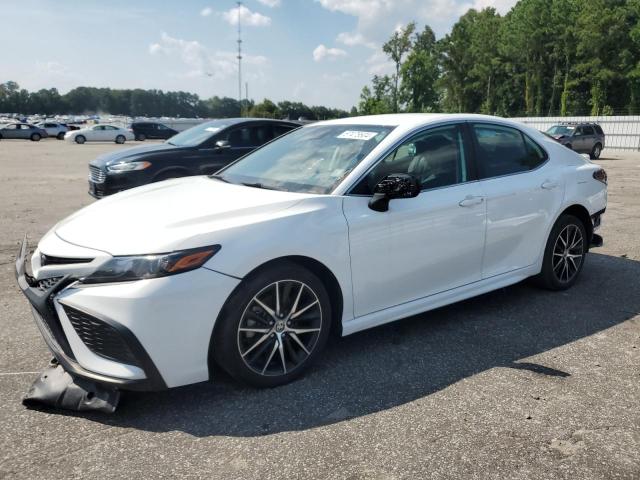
{"x": 99, "y": 133}
{"x": 340, "y": 225}
{"x": 53, "y": 129}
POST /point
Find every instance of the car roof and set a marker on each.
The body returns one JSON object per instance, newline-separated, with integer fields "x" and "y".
{"x": 412, "y": 120}
{"x": 236, "y": 121}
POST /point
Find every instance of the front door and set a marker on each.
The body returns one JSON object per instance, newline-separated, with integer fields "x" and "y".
{"x": 423, "y": 245}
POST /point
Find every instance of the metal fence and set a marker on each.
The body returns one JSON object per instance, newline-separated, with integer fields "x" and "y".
{"x": 622, "y": 132}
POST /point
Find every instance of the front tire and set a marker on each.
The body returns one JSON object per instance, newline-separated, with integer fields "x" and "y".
{"x": 564, "y": 254}
{"x": 273, "y": 326}
{"x": 141, "y": 137}
{"x": 120, "y": 139}
{"x": 60, "y": 136}
{"x": 80, "y": 139}
{"x": 36, "y": 137}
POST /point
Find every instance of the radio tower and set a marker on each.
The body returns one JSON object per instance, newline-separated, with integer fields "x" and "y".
{"x": 240, "y": 56}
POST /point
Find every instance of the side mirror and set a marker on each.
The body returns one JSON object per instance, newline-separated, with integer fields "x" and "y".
{"x": 222, "y": 145}
{"x": 396, "y": 185}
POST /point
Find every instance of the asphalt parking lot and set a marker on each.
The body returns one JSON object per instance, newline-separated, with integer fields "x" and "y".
{"x": 519, "y": 383}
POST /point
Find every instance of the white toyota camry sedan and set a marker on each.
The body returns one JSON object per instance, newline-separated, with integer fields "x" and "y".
{"x": 340, "y": 225}
{"x": 99, "y": 133}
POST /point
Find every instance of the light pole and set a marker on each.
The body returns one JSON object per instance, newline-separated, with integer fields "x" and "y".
{"x": 240, "y": 56}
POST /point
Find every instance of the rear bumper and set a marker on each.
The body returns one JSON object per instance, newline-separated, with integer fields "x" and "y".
{"x": 41, "y": 299}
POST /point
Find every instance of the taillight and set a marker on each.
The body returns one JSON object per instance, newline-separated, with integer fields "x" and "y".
{"x": 600, "y": 175}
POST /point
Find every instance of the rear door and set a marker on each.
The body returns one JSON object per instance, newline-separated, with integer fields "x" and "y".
{"x": 523, "y": 191}
{"x": 589, "y": 138}
{"x": 11, "y": 131}
{"x": 578, "y": 140}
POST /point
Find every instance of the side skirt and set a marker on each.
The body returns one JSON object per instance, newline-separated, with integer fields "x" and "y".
{"x": 437, "y": 300}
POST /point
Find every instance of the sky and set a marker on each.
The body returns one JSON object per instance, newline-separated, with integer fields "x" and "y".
{"x": 320, "y": 52}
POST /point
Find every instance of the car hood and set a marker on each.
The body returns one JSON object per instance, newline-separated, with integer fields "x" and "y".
{"x": 171, "y": 215}
{"x": 130, "y": 153}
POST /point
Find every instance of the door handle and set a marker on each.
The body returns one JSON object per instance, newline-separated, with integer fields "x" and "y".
{"x": 470, "y": 201}
{"x": 549, "y": 185}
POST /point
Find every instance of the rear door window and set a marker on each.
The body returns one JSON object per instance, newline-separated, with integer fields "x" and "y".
{"x": 505, "y": 151}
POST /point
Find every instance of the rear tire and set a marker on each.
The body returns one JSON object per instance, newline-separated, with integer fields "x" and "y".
{"x": 35, "y": 137}
{"x": 595, "y": 153}
{"x": 564, "y": 254}
{"x": 265, "y": 339}
{"x": 80, "y": 139}
{"x": 120, "y": 139}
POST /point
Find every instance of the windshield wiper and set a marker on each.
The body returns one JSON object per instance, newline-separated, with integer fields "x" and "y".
{"x": 257, "y": 185}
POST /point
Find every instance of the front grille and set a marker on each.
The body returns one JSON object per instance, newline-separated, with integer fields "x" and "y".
{"x": 49, "y": 260}
{"x": 47, "y": 283}
{"x": 100, "y": 337}
{"x": 96, "y": 174}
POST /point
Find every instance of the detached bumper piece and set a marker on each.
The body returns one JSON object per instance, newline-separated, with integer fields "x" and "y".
{"x": 58, "y": 389}
{"x": 67, "y": 384}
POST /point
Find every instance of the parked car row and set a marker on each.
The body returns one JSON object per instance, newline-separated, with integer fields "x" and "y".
{"x": 100, "y": 133}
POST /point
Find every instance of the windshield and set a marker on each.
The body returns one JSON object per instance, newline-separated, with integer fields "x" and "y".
{"x": 561, "y": 130}
{"x": 309, "y": 160}
{"x": 194, "y": 136}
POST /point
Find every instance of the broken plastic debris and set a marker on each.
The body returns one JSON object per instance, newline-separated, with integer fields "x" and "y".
{"x": 56, "y": 388}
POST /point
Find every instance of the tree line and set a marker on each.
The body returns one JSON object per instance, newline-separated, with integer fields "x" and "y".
{"x": 544, "y": 57}
{"x": 149, "y": 103}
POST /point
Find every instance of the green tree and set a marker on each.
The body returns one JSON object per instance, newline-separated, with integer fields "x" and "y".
{"x": 419, "y": 74}
{"x": 396, "y": 48}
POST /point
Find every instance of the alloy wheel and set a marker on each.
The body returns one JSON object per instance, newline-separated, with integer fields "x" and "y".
{"x": 568, "y": 253}
{"x": 280, "y": 327}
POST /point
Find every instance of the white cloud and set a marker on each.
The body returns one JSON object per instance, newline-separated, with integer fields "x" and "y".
{"x": 247, "y": 17}
{"x": 270, "y": 3}
{"x": 354, "y": 39}
{"x": 321, "y": 52}
{"x": 206, "y": 11}
{"x": 200, "y": 60}
{"x": 379, "y": 64}
{"x": 377, "y": 19}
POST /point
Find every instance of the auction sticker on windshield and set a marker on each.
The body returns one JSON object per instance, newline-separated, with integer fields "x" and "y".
{"x": 357, "y": 135}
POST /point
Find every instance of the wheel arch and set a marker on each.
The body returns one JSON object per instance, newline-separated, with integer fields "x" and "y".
{"x": 583, "y": 215}
{"x": 325, "y": 275}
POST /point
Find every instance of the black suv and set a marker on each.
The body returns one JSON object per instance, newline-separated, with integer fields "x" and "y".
{"x": 201, "y": 150}
{"x": 151, "y": 130}
{"x": 581, "y": 137}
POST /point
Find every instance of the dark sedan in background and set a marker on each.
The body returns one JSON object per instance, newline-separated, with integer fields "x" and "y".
{"x": 23, "y": 131}
{"x": 201, "y": 150}
{"x": 151, "y": 131}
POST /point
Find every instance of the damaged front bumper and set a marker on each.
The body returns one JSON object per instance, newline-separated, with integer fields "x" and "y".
{"x": 41, "y": 296}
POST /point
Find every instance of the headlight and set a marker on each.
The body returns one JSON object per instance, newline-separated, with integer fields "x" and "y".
{"x": 126, "y": 269}
{"x": 128, "y": 167}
